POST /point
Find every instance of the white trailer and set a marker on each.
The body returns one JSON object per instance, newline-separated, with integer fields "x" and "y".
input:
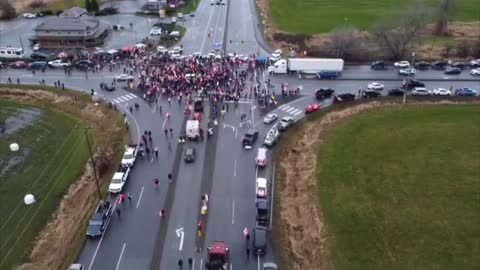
{"x": 193, "y": 129}
{"x": 328, "y": 66}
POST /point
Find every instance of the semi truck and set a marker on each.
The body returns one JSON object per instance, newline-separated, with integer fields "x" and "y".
{"x": 321, "y": 67}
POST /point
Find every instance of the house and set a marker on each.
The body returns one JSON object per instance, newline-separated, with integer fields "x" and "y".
{"x": 74, "y": 28}
{"x": 155, "y": 6}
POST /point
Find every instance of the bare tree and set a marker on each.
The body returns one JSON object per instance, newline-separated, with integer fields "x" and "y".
{"x": 397, "y": 36}
{"x": 7, "y": 10}
{"x": 444, "y": 13}
{"x": 342, "y": 38}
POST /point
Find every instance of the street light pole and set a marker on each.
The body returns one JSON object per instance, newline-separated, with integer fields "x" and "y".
{"x": 93, "y": 165}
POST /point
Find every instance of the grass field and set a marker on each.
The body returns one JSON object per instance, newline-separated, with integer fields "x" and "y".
{"x": 320, "y": 16}
{"x": 57, "y": 156}
{"x": 399, "y": 189}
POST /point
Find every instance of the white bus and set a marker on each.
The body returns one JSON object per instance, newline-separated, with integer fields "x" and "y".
{"x": 11, "y": 52}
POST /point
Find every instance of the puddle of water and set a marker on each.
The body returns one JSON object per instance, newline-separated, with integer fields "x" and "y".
{"x": 23, "y": 118}
{"x": 7, "y": 165}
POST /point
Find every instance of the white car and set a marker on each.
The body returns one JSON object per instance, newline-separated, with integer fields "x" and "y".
{"x": 421, "y": 91}
{"x": 197, "y": 54}
{"x": 407, "y": 71}
{"x": 174, "y": 19}
{"x": 180, "y": 16}
{"x": 261, "y": 159}
{"x": 29, "y": 15}
{"x": 442, "y": 92}
{"x": 277, "y": 54}
{"x": 58, "y": 64}
{"x": 241, "y": 57}
{"x": 140, "y": 46}
{"x": 124, "y": 77}
{"x": 178, "y": 49}
{"x": 119, "y": 179}
{"x": 375, "y": 86}
{"x": 401, "y": 64}
{"x": 475, "y": 71}
{"x": 261, "y": 188}
{"x": 162, "y": 49}
{"x": 270, "y": 118}
{"x": 272, "y": 136}
{"x": 475, "y": 62}
{"x": 129, "y": 156}
{"x": 36, "y": 47}
{"x": 155, "y": 31}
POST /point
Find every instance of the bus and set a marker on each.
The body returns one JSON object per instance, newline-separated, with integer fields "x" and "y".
{"x": 11, "y": 53}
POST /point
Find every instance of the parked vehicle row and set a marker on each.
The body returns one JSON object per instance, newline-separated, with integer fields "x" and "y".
{"x": 449, "y": 68}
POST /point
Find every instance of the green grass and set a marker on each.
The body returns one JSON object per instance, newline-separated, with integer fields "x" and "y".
{"x": 65, "y": 4}
{"x": 320, "y": 16}
{"x": 54, "y": 172}
{"x": 190, "y": 6}
{"x": 399, "y": 189}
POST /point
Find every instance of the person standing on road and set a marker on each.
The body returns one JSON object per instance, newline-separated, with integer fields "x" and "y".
{"x": 180, "y": 264}
{"x": 248, "y": 253}
{"x": 129, "y": 196}
{"x": 170, "y": 177}
{"x": 156, "y": 152}
{"x": 156, "y": 182}
{"x": 162, "y": 214}
{"x": 117, "y": 211}
{"x": 190, "y": 262}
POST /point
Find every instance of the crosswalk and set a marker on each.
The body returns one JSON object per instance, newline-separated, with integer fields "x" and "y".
{"x": 124, "y": 98}
{"x": 290, "y": 109}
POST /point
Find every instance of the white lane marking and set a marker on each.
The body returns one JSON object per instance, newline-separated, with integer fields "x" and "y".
{"x": 193, "y": 264}
{"x": 201, "y": 263}
{"x": 116, "y": 101}
{"x": 233, "y": 212}
{"x": 164, "y": 122}
{"x": 296, "y": 112}
{"x": 282, "y": 106}
{"x": 120, "y": 258}
{"x": 123, "y": 99}
{"x": 140, "y": 197}
{"x": 258, "y": 261}
{"x": 291, "y": 109}
{"x": 206, "y": 31}
{"x": 256, "y": 176}
{"x": 235, "y": 168}
{"x": 273, "y": 196}
{"x": 132, "y": 95}
{"x": 180, "y": 234}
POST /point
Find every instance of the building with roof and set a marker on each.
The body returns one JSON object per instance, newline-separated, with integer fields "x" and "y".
{"x": 74, "y": 28}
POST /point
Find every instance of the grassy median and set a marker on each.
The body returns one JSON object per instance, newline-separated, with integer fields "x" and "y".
{"x": 399, "y": 188}
{"x": 320, "y": 16}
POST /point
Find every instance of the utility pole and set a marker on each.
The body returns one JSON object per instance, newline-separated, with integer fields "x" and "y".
{"x": 93, "y": 165}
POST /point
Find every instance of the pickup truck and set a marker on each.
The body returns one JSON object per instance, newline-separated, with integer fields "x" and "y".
{"x": 98, "y": 222}
{"x": 119, "y": 179}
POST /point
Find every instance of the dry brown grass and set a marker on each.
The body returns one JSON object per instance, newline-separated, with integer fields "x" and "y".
{"x": 58, "y": 243}
{"x": 299, "y": 233}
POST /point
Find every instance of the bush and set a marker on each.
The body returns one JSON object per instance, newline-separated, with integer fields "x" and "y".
{"x": 7, "y": 10}
{"x": 463, "y": 49}
{"x": 110, "y": 10}
{"x": 59, "y": 12}
{"x": 37, "y": 4}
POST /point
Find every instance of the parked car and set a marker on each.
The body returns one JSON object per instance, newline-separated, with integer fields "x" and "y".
{"x": 379, "y": 65}
{"x": 124, "y": 78}
{"x": 270, "y": 118}
{"x": 119, "y": 179}
{"x": 190, "y": 154}
{"x": 396, "y": 92}
{"x": 453, "y": 70}
{"x": 343, "y": 98}
{"x": 261, "y": 188}
{"x": 107, "y": 87}
{"x": 99, "y": 220}
{"x": 413, "y": 83}
{"x": 324, "y": 93}
{"x": 18, "y": 64}
{"x": 375, "y": 86}
{"x": 370, "y": 94}
{"x": 460, "y": 65}
{"x": 261, "y": 159}
{"x": 260, "y": 240}
{"x": 155, "y": 31}
{"x": 466, "y": 92}
{"x": 421, "y": 91}
{"x": 401, "y": 64}
{"x": 475, "y": 71}
{"x": 272, "y": 136}
{"x": 38, "y": 65}
{"x": 129, "y": 156}
{"x": 77, "y": 266}
{"x": 475, "y": 63}
{"x": 84, "y": 64}
{"x": 407, "y": 72}
{"x": 249, "y": 139}
{"x": 58, "y": 64}
{"x": 441, "y": 92}
{"x": 422, "y": 65}
{"x": 38, "y": 56}
{"x": 439, "y": 65}
{"x": 285, "y": 122}
{"x": 312, "y": 108}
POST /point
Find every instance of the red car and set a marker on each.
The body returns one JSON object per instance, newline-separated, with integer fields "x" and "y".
{"x": 312, "y": 108}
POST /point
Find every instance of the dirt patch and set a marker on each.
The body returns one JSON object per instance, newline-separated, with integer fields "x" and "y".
{"x": 58, "y": 243}
{"x": 7, "y": 165}
{"x": 23, "y": 118}
{"x": 301, "y": 237}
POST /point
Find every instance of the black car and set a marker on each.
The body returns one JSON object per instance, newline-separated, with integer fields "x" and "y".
{"x": 410, "y": 84}
{"x": 453, "y": 70}
{"x": 249, "y": 138}
{"x": 459, "y": 65}
{"x": 379, "y": 65}
{"x": 190, "y": 155}
{"x": 262, "y": 212}
{"x": 439, "y": 65}
{"x": 324, "y": 93}
{"x": 396, "y": 92}
{"x": 99, "y": 219}
{"x": 422, "y": 65}
{"x": 370, "y": 94}
{"x": 84, "y": 65}
{"x": 343, "y": 98}
{"x": 198, "y": 105}
{"x": 259, "y": 240}
{"x": 38, "y": 56}
{"x": 107, "y": 87}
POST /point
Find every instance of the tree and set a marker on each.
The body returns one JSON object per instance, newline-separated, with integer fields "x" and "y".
{"x": 444, "y": 13}
{"x": 94, "y": 4}
{"x": 397, "y": 36}
{"x": 88, "y": 5}
{"x": 7, "y": 10}
{"x": 342, "y": 38}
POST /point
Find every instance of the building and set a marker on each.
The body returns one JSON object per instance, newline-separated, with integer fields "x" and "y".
{"x": 74, "y": 28}
{"x": 156, "y": 6}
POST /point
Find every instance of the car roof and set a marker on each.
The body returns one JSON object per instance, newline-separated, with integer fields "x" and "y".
{"x": 262, "y": 182}
{"x": 189, "y": 150}
{"x": 287, "y": 118}
{"x": 129, "y": 151}
{"x": 251, "y": 131}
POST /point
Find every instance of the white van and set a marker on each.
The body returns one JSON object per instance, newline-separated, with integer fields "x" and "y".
{"x": 11, "y": 52}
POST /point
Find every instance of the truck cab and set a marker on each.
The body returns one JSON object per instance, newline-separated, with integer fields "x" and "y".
{"x": 280, "y": 67}
{"x": 218, "y": 256}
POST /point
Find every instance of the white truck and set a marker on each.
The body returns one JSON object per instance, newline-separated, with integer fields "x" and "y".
{"x": 193, "y": 129}
{"x": 322, "y": 67}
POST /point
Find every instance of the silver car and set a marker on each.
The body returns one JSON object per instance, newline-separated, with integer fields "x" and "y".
{"x": 270, "y": 118}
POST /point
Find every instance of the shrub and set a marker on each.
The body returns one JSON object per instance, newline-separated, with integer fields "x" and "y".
{"x": 36, "y": 4}
{"x": 7, "y": 10}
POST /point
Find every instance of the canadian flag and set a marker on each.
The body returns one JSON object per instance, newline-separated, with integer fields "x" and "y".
{"x": 245, "y": 231}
